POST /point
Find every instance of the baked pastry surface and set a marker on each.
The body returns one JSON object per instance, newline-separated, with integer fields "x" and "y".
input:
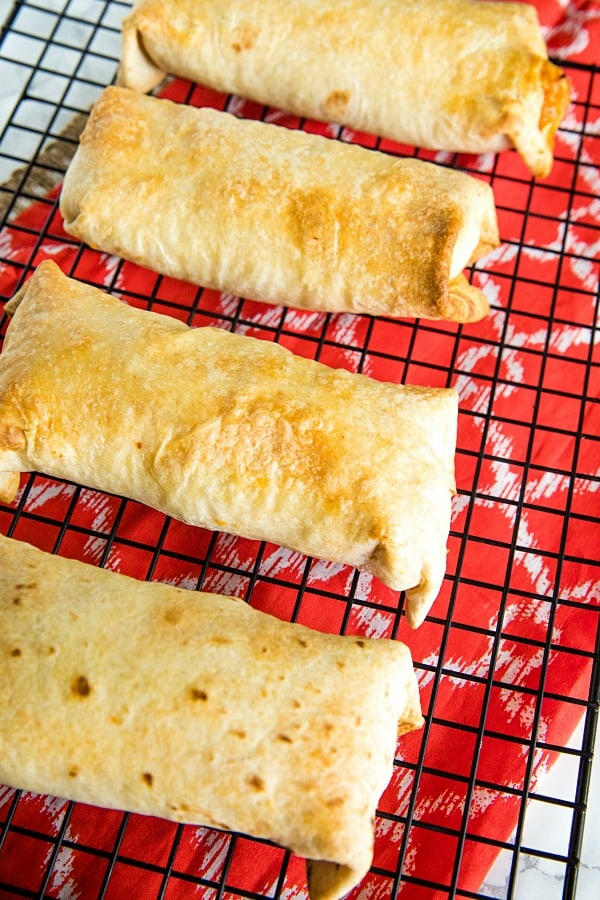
{"x": 228, "y": 432}
{"x": 453, "y": 75}
{"x": 197, "y": 708}
{"x": 276, "y": 215}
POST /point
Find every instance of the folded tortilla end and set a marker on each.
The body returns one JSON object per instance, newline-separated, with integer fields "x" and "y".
{"x": 420, "y": 598}
{"x": 535, "y": 144}
{"x": 411, "y": 718}
{"x": 9, "y": 486}
{"x": 557, "y": 97}
{"x": 136, "y": 70}
{"x": 466, "y": 303}
{"x": 12, "y": 304}
{"x": 331, "y": 880}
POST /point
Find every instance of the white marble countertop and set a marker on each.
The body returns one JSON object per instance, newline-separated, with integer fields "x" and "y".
{"x": 536, "y": 879}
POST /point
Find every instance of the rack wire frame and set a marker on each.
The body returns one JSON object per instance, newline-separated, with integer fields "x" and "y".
{"x": 58, "y": 63}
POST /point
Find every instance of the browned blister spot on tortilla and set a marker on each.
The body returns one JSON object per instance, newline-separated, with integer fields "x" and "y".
{"x": 148, "y": 778}
{"x": 198, "y": 694}
{"x": 80, "y": 686}
{"x": 243, "y": 37}
{"x": 20, "y": 588}
{"x": 15, "y": 652}
{"x": 173, "y": 615}
{"x": 312, "y": 220}
{"x": 12, "y": 438}
{"x": 336, "y": 104}
{"x": 256, "y": 782}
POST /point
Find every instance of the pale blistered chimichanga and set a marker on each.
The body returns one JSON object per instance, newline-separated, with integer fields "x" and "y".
{"x": 452, "y": 75}
{"x": 197, "y": 708}
{"x": 229, "y": 432}
{"x": 274, "y": 214}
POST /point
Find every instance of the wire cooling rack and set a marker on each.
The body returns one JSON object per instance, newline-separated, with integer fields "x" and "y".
{"x": 508, "y": 660}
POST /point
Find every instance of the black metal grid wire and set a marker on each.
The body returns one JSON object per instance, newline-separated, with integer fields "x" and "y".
{"x": 64, "y": 60}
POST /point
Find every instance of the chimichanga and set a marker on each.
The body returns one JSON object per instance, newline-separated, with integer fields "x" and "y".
{"x": 446, "y": 74}
{"x": 274, "y": 214}
{"x": 229, "y": 432}
{"x": 196, "y": 707}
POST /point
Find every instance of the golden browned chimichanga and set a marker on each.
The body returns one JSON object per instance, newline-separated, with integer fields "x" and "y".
{"x": 195, "y": 707}
{"x": 276, "y": 215}
{"x": 229, "y": 432}
{"x": 451, "y": 75}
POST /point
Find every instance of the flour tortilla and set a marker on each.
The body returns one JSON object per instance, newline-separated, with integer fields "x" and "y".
{"x": 453, "y": 75}
{"x": 197, "y": 708}
{"x": 229, "y": 432}
{"x": 277, "y": 215}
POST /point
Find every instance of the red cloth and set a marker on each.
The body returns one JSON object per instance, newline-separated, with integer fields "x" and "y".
{"x": 521, "y": 375}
